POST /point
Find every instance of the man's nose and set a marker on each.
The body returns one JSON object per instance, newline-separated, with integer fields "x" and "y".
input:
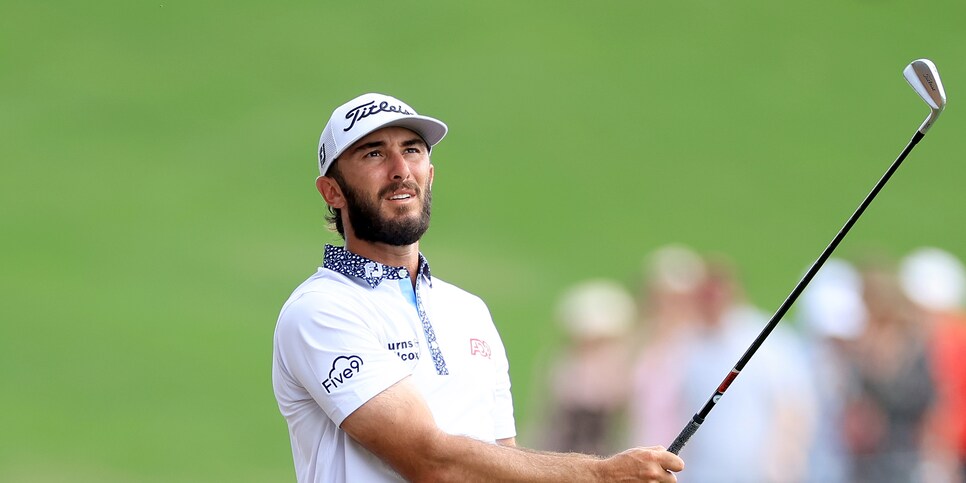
{"x": 398, "y": 167}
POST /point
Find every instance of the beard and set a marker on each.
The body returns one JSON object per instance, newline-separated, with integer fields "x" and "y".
{"x": 369, "y": 225}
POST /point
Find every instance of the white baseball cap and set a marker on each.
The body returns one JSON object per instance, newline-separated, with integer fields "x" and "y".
{"x": 832, "y": 305}
{"x": 357, "y": 118}
{"x": 934, "y": 279}
{"x": 596, "y": 308}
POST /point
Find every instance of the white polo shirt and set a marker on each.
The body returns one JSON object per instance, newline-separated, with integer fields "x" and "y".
{"x": 356, "y": 327}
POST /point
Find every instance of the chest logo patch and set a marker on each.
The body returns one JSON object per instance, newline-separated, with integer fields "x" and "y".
{"x": 479, "y": 347}
{"x": 407, "y": 350}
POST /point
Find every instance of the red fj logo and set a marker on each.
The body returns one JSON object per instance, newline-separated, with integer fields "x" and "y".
{"x": 479, "y": 348}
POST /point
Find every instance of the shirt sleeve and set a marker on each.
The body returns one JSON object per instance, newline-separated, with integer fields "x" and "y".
{"x": 334, "y": 354}
{"x": 503, "y": 422}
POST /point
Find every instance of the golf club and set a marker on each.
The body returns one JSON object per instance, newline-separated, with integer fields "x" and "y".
{"x": 924, "y": 78}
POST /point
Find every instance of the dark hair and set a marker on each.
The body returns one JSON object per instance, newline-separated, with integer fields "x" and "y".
{"x": 335, "y": 214}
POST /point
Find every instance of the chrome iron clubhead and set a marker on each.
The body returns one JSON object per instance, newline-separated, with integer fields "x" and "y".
{"x": 924, "y": 78}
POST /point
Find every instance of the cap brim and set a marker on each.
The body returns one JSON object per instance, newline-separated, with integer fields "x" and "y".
{"x": 431, "y": 130}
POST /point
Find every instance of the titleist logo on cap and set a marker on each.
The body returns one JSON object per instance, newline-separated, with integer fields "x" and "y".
{"x": 371, "y": 108}
{"x": 368, "y": 113}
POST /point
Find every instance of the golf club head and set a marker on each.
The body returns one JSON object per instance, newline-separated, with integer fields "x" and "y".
{"x": 924, "y": 78}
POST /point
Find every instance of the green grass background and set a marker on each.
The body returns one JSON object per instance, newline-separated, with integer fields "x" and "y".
{"x": 157, "y": 166}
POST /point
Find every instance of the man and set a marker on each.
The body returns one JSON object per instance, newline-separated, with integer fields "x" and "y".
{"x": 384, "y": 372}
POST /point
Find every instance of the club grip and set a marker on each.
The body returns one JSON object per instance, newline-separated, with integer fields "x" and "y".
{"x": 686, "y": 434}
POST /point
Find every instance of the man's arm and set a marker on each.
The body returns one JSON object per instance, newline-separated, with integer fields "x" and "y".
{"x": 420, "y": 451}
{"x": 510, "y": 442}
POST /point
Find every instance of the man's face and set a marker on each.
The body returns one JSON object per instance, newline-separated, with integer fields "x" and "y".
{"x": 385, "y": 179}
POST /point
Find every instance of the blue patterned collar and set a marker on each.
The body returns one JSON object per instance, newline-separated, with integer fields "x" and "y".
{"x": 351, "y": 265}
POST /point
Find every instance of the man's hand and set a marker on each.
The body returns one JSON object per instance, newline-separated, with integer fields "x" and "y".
{"x": 651, "y": 464}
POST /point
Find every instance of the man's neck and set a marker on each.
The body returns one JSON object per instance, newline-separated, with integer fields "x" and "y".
{"x": 395, "y": 256}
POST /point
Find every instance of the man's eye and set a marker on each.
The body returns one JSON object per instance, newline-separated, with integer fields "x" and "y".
{"x": 412, "y": 150}
{"x": 373, "y": 154}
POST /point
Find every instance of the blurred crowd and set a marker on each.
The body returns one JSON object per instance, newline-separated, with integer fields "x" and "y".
{"x": 864, "y": 380}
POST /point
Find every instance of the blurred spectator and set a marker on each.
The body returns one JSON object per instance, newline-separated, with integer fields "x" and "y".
{"x": 759, "y": 431}
{"x": 589, "y": 378}
{"x": 936, "y": 281}
{"x": 673, "y": 277}
{"x": 892, "y": 388}
{"x": 670, "y": 296}
{"x": 832, "y": 313}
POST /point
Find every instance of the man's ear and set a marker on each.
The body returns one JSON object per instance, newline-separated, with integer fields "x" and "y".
{"x": 432, "y": 171}
{"x": 331, "y": 191}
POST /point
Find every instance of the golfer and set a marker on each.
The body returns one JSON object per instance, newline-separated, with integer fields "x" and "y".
{"x": 383, "y": 371}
